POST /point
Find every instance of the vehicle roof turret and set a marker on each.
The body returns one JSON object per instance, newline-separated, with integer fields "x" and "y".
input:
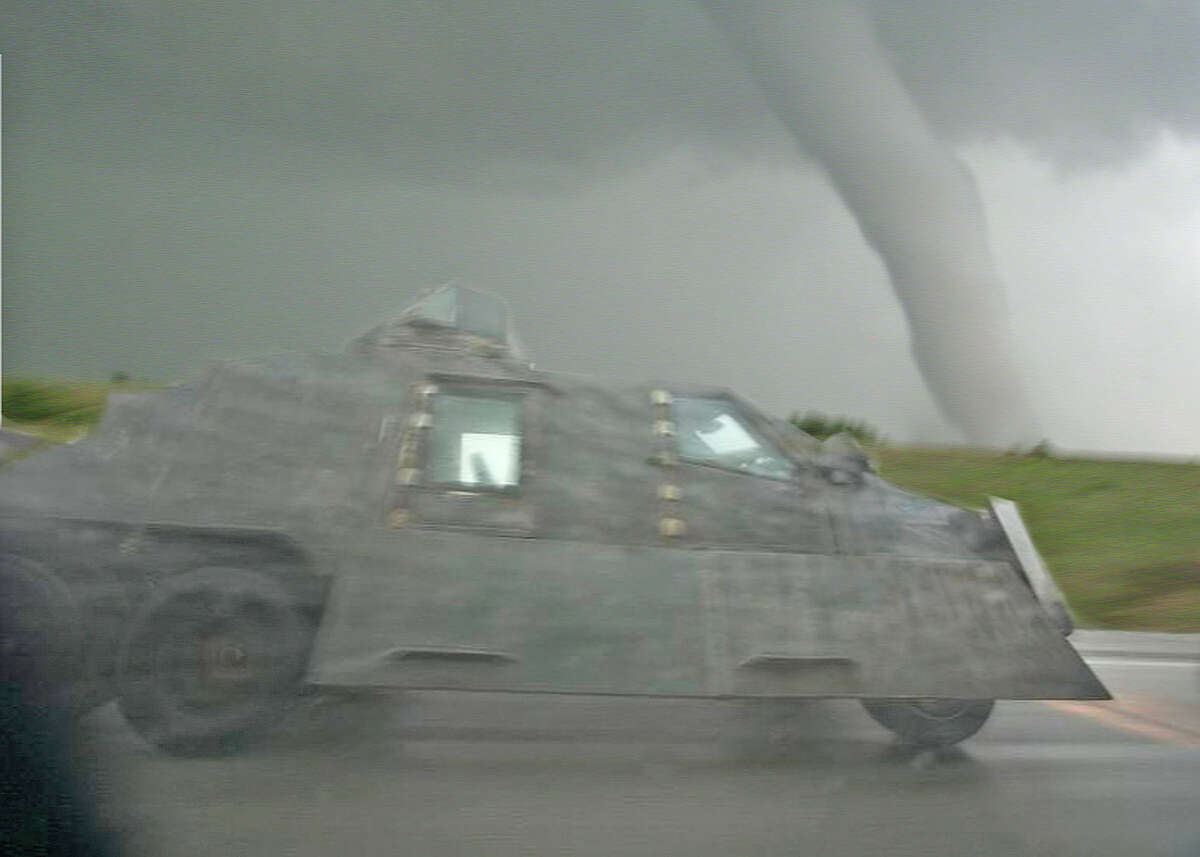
{"x": 451, "y": 317}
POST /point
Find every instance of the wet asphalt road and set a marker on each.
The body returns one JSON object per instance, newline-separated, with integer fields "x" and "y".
{"x": 463, "y": 774}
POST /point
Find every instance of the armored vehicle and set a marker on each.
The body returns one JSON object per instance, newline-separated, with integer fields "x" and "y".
{"x": 428, "y": 510}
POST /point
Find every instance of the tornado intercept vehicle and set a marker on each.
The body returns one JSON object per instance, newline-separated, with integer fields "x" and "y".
{"x": 427, "y": 510}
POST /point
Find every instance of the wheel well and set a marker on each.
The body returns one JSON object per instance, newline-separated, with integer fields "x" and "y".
{"x": 111, "y": 567}
{"x": 89, "y": 553}
{"x": 168, "y": 551}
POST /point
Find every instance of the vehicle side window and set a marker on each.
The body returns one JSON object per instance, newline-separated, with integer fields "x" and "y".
{"x": 475, "y": 441}
{"x": 711, "y": 431}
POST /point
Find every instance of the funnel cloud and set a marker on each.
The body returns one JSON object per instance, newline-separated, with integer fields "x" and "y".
{"x": 825, "y": 75}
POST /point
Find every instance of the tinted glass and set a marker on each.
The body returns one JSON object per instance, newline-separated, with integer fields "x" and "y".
{"x": 465, "y": 309}
{"x": 481, "y": 314}
{"x": 712, "y": 431}
{"x": 475, "y": 440}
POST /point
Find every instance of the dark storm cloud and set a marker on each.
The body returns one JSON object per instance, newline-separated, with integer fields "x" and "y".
{"x": 446, "y": 83}
{"x": 188, "y": 180}
{"x": 1085, "y": 82}
{"x": 418, "y": 86}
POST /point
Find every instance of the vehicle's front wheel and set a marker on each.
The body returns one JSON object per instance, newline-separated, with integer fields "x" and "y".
{"x": 214, "y": 657}
{"x": 930, "y": 723}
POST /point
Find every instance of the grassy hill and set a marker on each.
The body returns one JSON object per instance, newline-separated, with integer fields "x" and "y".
{"x": 1121, "y": 537}
{"x": 58, "y": 411}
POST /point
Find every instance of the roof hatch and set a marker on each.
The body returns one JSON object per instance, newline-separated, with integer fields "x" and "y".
{"x": 463, "y": 309}
{"x": 450, "y": 316}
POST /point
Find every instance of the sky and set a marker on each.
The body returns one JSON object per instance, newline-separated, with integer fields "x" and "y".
{"x": 189, "y": 182}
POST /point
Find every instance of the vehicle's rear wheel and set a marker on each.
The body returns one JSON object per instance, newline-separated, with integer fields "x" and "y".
{"x": 213, "y": 658}
{"x": 930, "y": 723}
{"x": 40, "y": 637}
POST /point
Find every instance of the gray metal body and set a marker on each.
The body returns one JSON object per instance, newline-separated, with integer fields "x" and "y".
{"x": 613, "y": 566}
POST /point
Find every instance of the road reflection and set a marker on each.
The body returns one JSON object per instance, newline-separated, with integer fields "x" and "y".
{"x": 454, "y": 773}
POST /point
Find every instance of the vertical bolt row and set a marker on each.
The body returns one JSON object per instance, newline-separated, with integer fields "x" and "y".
{"x": 412, "y": 442}
{"x": 670, "y": 520}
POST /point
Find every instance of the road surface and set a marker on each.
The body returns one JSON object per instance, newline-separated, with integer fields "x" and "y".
{"x": 462, "y": 774}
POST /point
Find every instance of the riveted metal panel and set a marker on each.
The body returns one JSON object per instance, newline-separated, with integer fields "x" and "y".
{"x": 557, "y": 616}
{"x": 593, "y": 618}
{"x": 635, "y": 571}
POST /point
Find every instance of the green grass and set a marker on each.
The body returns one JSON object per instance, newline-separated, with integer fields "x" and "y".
{"x": 58, "y": 411}
{"x": 33, "y": 402}
{"x": 1122, "y": 538}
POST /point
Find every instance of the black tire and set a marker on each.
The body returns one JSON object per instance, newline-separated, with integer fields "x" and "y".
{"x": 41, "y": 644}
{"x": 930, "y": 723}
{"x": 213, "y": 658}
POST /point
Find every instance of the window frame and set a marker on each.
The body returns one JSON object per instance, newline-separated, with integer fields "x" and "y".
{"x": 748, "y": 421}
{"x": 515, "y": 393}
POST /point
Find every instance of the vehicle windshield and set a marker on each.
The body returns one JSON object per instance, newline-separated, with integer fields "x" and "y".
{"x": 711, "y": 431}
